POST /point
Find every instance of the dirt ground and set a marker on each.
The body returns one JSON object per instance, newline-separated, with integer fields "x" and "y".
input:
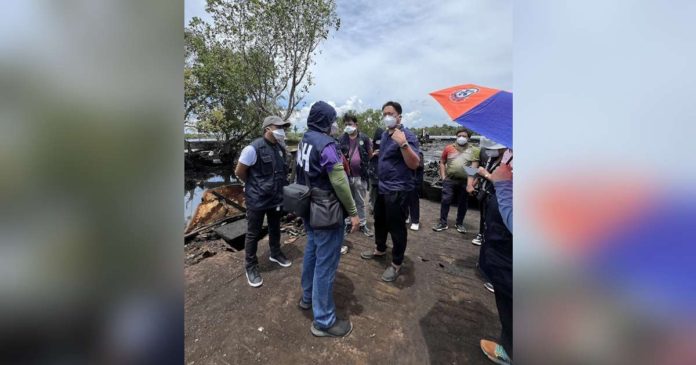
{"x": 434, "y": 313}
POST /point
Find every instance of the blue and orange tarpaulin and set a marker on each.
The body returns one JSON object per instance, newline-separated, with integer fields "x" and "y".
{"x": 481, "y": 109}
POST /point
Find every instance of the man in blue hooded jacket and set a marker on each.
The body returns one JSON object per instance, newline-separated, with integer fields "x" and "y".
{"x": 319, "y": 165}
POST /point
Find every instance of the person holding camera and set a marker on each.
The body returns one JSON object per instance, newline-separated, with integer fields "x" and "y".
{"x": 496, "y": 260}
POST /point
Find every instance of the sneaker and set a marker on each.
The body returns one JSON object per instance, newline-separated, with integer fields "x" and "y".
{"x": 341, "y": 328}
{"x": 461, "y": 228}
{"x": 304, "y": 305}
{"x": 253, "y": 277}
{"x": 370, "y": 254}
{"x": 366, "y": 231}
{"x": 478, "y": 240}
{"x": 408, "y": 220}
{"x": 281, "y": 260}
{"x": 440, "y": 227}
{"x": 490, "y": 287}
{"x": 391, "y": 273}
{"x": 495, "y": 352}
{"x": 344, "y": 250}
{"x": 415, "y": 226}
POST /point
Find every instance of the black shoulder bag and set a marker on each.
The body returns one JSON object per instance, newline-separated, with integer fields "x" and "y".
{"x": 296, "y": 198}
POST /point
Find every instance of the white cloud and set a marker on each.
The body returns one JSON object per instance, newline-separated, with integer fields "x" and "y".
{"x": 404, "y": 50}
{"x": 299, "y": 117}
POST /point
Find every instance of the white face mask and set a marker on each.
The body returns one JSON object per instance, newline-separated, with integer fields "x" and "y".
{"x": 461, "y": 141}
{"x": 349, "y": 129}
{"x": 389, "y": 121}
{"x": 279, "y": 135}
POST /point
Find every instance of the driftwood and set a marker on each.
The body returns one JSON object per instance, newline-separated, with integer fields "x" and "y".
{"x": 229, "y": 201}
{"x": 217, "y": 205}
{"x": 208, "y": 227}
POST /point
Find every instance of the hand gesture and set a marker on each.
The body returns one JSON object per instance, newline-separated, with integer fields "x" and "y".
{"x": 398, "y": 136}
{"x": 355, "y": 222}
{"x": 503, "y": 172}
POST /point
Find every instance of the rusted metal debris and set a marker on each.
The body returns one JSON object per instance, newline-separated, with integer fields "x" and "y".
{"x": 219, "y": 205}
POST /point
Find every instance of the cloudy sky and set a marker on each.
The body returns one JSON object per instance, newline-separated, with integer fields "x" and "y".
{"x": 388, "y": 50}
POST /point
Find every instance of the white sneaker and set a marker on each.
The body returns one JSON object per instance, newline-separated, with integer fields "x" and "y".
{"x": 408, "y": 220}
{"x": 415, "y": 226}
{"x": 478, "y": 240}
{"x": 344, "y": 250}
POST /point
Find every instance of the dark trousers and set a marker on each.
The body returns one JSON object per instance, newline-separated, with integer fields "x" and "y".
{"x": 503, "y": 300}
{"x": 482, "y": 220}
{"x": 390, "y": 217}
{"x": 373, "y": 196}
{"x": 414, "y": 206}
{"x": 482, "y": 229}
{"x": 453, "y": 192}
{"x": 254, "y": 224}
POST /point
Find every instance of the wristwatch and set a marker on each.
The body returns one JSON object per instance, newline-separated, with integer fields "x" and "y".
{"x": 405, "y": 145}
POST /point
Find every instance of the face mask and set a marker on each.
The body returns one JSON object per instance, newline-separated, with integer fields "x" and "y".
{"x": 349, "y": 129}
{"x": 334, "y": 129}
{"x": 492, "y": 153}
{"x": 461, "y": 141}
{"x": 389, "y": 121}
{"x": 279, "y": 135}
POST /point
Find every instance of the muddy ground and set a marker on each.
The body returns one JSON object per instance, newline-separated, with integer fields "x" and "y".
{"x": 435, "y": 313}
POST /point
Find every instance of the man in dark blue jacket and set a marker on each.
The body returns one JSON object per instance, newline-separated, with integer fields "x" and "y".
{"x": 262, "y": 168}
{"x": 398, "y": 161}
{"x": 320, "y": 166}
{"x": 497, "y": 258}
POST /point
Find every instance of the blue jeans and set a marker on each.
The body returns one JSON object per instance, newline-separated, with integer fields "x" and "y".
{"x": 321, "y": 257}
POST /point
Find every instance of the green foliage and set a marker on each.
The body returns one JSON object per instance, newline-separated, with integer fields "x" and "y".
{"x": 368, "y": 121}
{"x": 251, "y": 62}
{"x": 213, "y": 90}
{"x": 447, "y": 129}
{"x": 276, "y": 40}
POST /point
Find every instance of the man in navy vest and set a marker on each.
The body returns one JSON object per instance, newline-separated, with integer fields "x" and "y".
{"x": 320, "y": 166}
{"x": 398, "y": 161}
{"x": 262, "y": 168}
{"x": 357, "y": 149}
